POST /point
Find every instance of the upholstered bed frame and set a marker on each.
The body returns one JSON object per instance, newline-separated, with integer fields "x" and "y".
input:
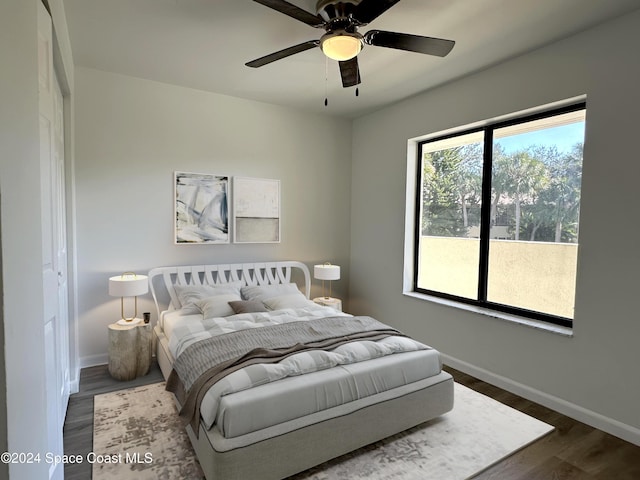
{"x": 295, "y": 448}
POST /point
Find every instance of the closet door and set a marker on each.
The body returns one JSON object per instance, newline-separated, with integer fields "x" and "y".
{"x": 55, "y": 316}
{"x": 60, "y": 228}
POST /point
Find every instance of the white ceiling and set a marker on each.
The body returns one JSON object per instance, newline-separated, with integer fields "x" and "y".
{"x": 204, "y": 44}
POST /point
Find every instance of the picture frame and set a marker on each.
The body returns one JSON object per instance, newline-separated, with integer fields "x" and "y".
{"x": 201, "y": 208}
{"x": 256, "y": 210}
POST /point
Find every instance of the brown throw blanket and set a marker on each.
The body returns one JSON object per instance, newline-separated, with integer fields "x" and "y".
{"x": 207, "y": 361}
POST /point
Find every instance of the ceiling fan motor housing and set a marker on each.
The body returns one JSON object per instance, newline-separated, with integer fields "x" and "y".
{"x": 342, "y": 40}
{"x": 331, "y": 10}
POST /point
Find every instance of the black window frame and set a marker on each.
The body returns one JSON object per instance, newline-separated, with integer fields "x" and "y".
{"x": 485, "y": 218}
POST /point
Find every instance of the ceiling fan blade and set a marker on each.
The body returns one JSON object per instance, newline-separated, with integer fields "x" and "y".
{"x": 293, "y": 11}
{"x": 350, "y": 72}
{"x": 412, "y": 43}
{"x": 287, "y": 52}
{"x": 369, "y": 10}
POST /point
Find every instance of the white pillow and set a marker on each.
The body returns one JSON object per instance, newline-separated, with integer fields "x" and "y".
{"x": 291, "y": 300}
{"x": 217, "y": 306}
{"x": 260, "y": 292}
{"x": 189, "y": 294}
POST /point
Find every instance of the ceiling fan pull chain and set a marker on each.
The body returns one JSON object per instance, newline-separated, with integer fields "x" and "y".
{"x": 326, "y": 80}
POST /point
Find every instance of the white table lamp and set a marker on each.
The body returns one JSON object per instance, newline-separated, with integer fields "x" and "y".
{"x": 128, "y": 285}
{"x": 326, "y": 272}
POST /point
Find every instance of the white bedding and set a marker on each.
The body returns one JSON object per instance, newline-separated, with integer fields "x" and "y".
{"x": 333, "y": 377}
{"x": 183, "y": 331}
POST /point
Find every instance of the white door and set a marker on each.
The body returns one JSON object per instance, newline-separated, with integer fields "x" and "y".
{"x": 58, "y": 181}
{"x": 54, "y": 273}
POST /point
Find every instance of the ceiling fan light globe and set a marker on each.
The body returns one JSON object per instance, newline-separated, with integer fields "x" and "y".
{"x": 341, "y": 47}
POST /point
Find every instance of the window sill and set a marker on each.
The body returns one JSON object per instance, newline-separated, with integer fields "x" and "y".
{"x": 528, "y": 322}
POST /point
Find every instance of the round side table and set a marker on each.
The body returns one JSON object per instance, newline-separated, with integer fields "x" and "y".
{"x": 129, "y": 350}
{"x": 334, "y": 303}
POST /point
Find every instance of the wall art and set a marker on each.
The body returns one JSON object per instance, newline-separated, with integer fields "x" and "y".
{"x": 256, "y": 210}
{"x": 201, "y": 208}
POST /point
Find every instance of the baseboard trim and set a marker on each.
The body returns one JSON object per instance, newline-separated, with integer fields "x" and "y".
{"x": 594, "y": 419}
{"x": 94, "y": 360}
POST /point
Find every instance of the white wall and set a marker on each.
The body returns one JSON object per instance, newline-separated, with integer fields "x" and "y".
{"x": 23, "y": 355}
{"x": 594, "y": 374}
{"x": 131, "y": 136}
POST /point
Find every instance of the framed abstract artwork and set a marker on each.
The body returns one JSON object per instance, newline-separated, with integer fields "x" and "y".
{"x": 256, "y": 210}
{"x": 201, "y": 208}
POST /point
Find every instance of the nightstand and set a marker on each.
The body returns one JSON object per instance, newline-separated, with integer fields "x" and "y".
{"x": 129, "y": 350}
{"x": 334, "y": 303}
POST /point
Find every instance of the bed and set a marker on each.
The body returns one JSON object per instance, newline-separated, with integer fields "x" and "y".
{"x": 276, "y": 411}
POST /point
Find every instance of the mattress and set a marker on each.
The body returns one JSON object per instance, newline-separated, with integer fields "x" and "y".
{"x": 439, "y": 388}
{"x": 293, "y": 397}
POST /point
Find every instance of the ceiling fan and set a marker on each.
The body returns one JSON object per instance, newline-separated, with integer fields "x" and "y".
{"x": 342, "y": 41}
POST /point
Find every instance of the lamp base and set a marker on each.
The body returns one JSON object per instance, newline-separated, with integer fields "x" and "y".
{"x": 132, "y": 322}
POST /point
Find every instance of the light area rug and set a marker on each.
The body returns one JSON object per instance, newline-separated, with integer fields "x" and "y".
{"x": 137, "y": 435}
{"x": 139, "y": 429}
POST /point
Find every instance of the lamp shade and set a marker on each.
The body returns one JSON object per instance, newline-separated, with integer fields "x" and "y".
{"x": 128, "y": 285}
{"x": 326, "y": 272}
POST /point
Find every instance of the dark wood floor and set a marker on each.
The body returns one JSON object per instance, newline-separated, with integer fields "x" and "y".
{"x": 574, "y": 451}
{"x": 78, "y": 426}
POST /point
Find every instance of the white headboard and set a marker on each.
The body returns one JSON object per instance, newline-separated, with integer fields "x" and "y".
{"x": 266, "y": 273}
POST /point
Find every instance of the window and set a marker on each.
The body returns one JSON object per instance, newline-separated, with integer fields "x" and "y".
{"x": 497, "y": 215}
